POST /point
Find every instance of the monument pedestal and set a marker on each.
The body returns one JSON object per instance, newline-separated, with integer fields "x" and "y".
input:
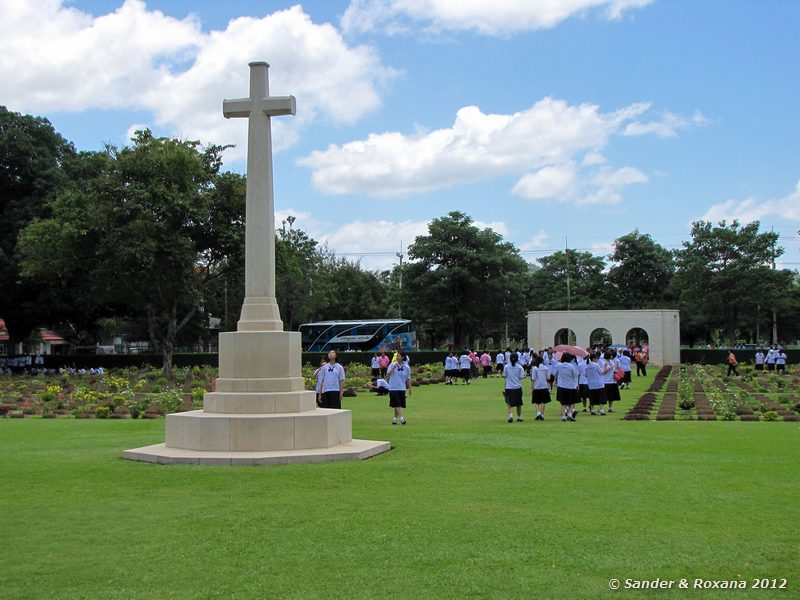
{"x": 260, "y": 412}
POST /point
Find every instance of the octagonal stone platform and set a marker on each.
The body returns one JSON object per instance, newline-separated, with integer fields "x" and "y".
{"x": 352, "y": 450}
{"x": 259, "y": 414}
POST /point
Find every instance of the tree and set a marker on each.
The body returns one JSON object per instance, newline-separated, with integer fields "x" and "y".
{"x": 147, "y": 233}
{"x": 641, "y": 275}
{"x": 464, "y": 281}
{"x": 33, "y": 169}
{"x": 586, "y": 282}
{"x": 725, "y": 271}
{"x": 297, "y": 266}
{"x": 347, "y": 291}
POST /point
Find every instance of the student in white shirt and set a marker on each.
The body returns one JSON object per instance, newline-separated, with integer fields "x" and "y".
{"x": 464, "y": 366}
{"x": 540, "y": 393}
{"x": 610, "y": 385}
{"x": 625, "y": 364}
{"x": 566, "y": 374}
{"x": 513, "y": 373}
{"x": 760, "y": 360}
{"x": 332, "y": 385}
{"x": 780, "y": 361}
{"x": 595, "y": 374}
{"x": 375, "y": 365}
{"x": 450, "y": 368}
{"x": 399, "y": 376}
{"x": 500, "y": 362}
{"x": 583, "y": 384}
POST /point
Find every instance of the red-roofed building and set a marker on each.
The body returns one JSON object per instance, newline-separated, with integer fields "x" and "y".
{"x": 4, "y": 338}
{"x": 41, "y": 341}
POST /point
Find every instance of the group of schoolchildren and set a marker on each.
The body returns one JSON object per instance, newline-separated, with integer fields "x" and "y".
{"x": 393, "y": 379}
{"x": 594, "y": 381}
{"x": 773, "y": 360}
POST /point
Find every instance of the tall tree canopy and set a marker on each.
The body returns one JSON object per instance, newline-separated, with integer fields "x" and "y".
{"x": 148, "y": 232}
{"x": 724, "y": 272}
{"x": 464, "y": 281}
{"x": 583, "y": 270}
{"x": 34, "y": 163}
{"x": 642, "y": 272}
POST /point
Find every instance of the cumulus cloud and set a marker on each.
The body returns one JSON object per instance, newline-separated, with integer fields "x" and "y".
{"x": 57, "y": 58}
{"x": 554, "y": 149}
{"x": 750, "y": 209}
{"x": 374, "y": 243}
{"x": 502, "y": 17}
{"x": 549, "y": 182}
{"x": 667, "y": 126}
{"x": 610, "y": 183}
{"x": 477, "y": 147}
{"x": 537, "y": 242}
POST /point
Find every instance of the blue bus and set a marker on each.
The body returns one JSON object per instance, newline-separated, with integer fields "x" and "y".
{"x": 369, "y": 335}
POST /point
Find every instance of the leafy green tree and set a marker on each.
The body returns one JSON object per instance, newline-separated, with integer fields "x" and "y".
{"x": 147, "y": 234}
{"x": 587, "y": 282}
{"x": 347, "y": 291}
{"x": 723, "y": 273}
{"x": 34, "y": 161}
{"x": 642, "y": 272}
{"x": 297, "y": 274}
{"x": 463, "y": 281}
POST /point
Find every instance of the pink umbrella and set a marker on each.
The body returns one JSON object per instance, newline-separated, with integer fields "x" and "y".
{"x": 574, "y": 350}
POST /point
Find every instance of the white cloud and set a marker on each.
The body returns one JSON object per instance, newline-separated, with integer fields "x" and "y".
{"x": 373, "y": 243}
{"x": 593, "y": 158}
{"x": 477, "y": 147}
{"x": 496, "y": 226}
{"x": 501, "y": 17}
{"x": 550, "y": 182}
{"x": 537, "y": 242}
{"x": 750, "y": 209}
{"x": 610, "y": 183}
{"x": 57, "y": 58}
{"x": 667, "y": 126}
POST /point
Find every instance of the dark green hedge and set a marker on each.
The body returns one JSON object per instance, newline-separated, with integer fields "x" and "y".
{"x": 118, "y": 361}
{"x": 112, "y": 361}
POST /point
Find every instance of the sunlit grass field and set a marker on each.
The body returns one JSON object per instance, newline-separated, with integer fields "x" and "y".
{"x": 464, "y": 505}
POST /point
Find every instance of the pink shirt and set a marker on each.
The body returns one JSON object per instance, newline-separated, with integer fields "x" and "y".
{"x": 486, "y": 360}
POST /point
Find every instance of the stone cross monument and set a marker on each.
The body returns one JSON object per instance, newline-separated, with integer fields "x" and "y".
{"x": 260, "y": 310}
{"x": 261, "y": 412}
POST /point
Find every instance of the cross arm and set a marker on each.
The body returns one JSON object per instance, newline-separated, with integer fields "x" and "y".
{"x": 237, "y": 108}
{"x": 279, "y": 105}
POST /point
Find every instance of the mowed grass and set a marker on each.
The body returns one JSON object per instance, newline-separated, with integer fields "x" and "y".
{"x": 464, "y": 505}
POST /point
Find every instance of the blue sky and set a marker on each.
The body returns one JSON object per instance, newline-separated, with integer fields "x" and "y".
{"x": 548, "y": 121}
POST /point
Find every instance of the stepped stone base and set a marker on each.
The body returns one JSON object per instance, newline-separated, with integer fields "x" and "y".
{"x": 352, "y": 450}
{"x": 199, "y": 430}
{"x": 260, "y": 413}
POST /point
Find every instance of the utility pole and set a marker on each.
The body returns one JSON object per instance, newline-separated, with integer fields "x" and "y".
{"x": 774, "y": 313}
{"x": 400, "y": 255}
{"x": 566, "y": 257}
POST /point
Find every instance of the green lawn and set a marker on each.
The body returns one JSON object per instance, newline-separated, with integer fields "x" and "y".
{"x": 465, "y": 505}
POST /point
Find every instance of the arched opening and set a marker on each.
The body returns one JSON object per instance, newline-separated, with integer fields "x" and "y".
{"x": 564, "y": 336}
{"x": 638, "y": 337}
{"x": 600, "y": 337}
